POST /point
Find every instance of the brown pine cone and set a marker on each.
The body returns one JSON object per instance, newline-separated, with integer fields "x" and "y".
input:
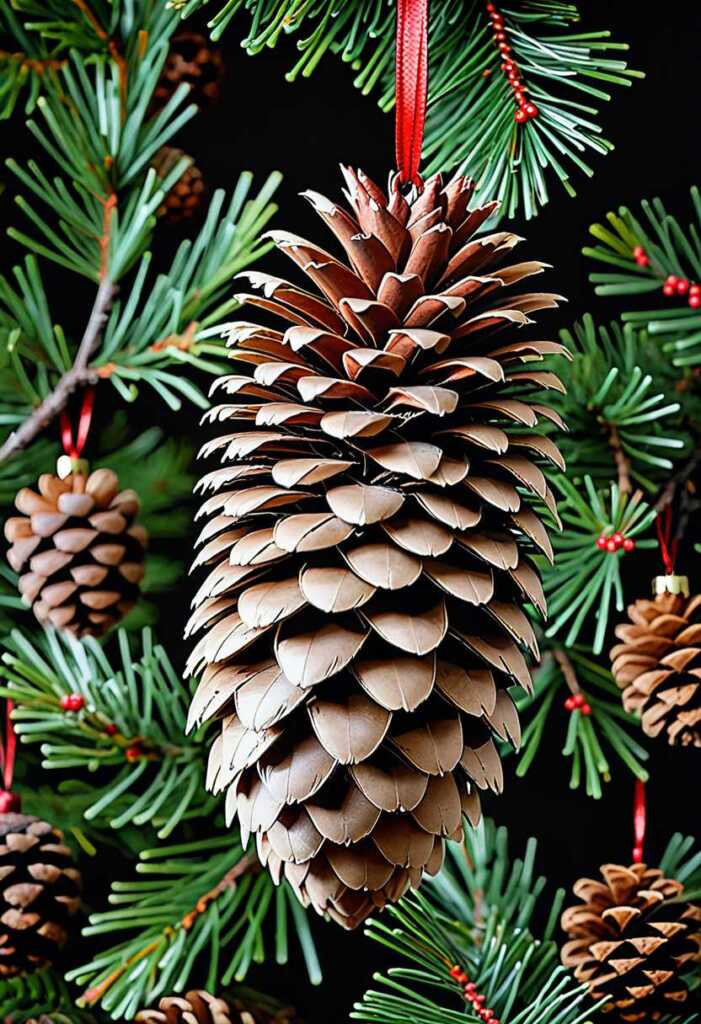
{"x": 370, "y": 541}
{"x": 192, "y": 59}
{"x": 202, "y": 1008}
{"x": 658, "y": 666}
{"x": 40, "y": 893}
{"x": 80, "y": 555}
{"x": 186, "y": 196}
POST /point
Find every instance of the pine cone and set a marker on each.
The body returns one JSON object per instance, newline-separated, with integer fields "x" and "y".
{"x": 202, "y": 1008}
{"x": 187, "y": 195}
{"x": 630, "y": 938}
{"x": 79, "y": 552}
{"x": 192, "y": 59}
{"x": 658, "y": 666}
{"x": 40, "y": 892}
{"x": 363, "y": 625}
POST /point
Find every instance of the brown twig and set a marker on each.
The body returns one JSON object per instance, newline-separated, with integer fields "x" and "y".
{"x": 678, "y": 480}
{"x": 79, "y": 375}
{"x": 621, "y": 460}
{"x": 567, "y": 668}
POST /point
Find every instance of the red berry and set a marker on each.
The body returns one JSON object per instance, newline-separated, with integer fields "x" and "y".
{"x": 569, "y": 704}
{"x": 461, "y": 978}
{"x": 72, "y": 702}
{"x": 531, "y": 110}
{"x": 695, "y": 289}
{"x": 578, "y": 700}
{"x": 500, "y": 36}
{"x": 601, "y": 542}
{"x": 611, "y": 545}
{"x": 111, "y": 729}
{"x": 618, "y": 538}
{"x": 520, "y": 116}
{"x": 487, "y": 1014}
{"x": 491, "y": 8}
{"x": 695, "y": 301}
{"x": 470, "y": 987}
{"x": 66, "y": 701}
{"x": 508, "y": 66}
{"x": 629, "y": 544}
{"x": 643, "y": 261}
{"x": 133, "y": 753}
{"x": 455, "y": 970}
{"x": 668, "y": 289}
{"x": 478, "y": 1000}
{"x": 504, "y": 48}
{"x": 672, "y": 279}
{"x": 682, "y": 286}
{"x": 638, "y": 251}
{"x": 585, "y": 709}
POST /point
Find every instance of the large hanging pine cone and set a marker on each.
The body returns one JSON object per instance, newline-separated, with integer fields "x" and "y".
{"x": 370, "y": 537}
{"x": 40, "y": 892}
{"x": 186, "y": 196}
{"x": 78, "y": 549}
{"x": 658, "y": 666}
{"x": 192, "y": 59}
{"x": 202, "y": 1008}
{"x": 630, "y": 938}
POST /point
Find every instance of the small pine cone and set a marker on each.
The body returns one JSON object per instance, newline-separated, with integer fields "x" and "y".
{"x": 40, "y": 893}
{"x": 630, "y": 938}
{"x": 187, "y": 195}
{"x": 371, "y": 539}
{"x": 196, "y": 1008}
{"x": 193, "y": 60}
{"x": 658, "y": 666}
{"x": 79, "y": 552}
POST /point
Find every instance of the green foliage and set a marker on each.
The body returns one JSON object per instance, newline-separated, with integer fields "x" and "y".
{"x": 199, "y": 912}
{"x": 584, "y": 581}
{"x": 146, "y": 772}
{"x": 671, "y": 249}
{"x": 613, "y": 407}
{"x": 31, "y": 995}
{"x": 589, "y": 739}
{"x": 476, "y": 916}
{"x": 471, "y": 108}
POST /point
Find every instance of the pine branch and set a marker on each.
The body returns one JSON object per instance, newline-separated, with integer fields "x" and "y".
{"x": 79, "y": 375}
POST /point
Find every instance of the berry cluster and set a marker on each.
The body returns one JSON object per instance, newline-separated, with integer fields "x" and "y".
{"x": 641, "y": 257}
{"x": 680, "y": 286}
{"x": 472, "y": 996}
{"x": 72, "y": 702}
{"x": 525, "y": 109}
{"x": 614, "y": 542}
{"x": 578, "y": 702}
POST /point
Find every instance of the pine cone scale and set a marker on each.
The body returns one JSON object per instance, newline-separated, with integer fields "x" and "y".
{"x": 386, "y": 582}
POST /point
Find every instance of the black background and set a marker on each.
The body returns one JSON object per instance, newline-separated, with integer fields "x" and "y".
{"x": 304, "y": 130}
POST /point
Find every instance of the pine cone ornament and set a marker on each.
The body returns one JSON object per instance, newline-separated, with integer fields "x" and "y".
{"x": 40, "y": 893}
{"x": 370, "y": 537}
{"x": 202, "y": 1008}
{"x": 657, "y": 664}
{"x": 78, "y": 550}
{"x": 186, "y": 196}
{"x": 630, "y": 938}
{"x": 192, "y": 59}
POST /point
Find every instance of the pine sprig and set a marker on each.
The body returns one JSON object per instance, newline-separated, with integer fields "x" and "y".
{"x": 197, "y": 912}
{"x": 472, "y": 929}
{"x": 28, "y": 996}
{"x": 585, "y": 580}
{"x": 619, "y": 421}
{"x": 470, "y": 104}
{"x": 590, "y": 736}
{"x": 664, "y": 248}
{"x": 127, "y": 729}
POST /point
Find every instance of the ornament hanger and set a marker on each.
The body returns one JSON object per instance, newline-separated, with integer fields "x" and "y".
{"x": 71, "y": 461}
{"x": 411, "y": 88}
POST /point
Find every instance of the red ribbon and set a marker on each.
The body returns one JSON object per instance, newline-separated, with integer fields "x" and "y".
{"x": 639, "y": 821}
{"x": 74, "y": 449}
{"x": 9, "y": 801}
{"x": 668, "y": 547}
{"x": 411, "y": 85}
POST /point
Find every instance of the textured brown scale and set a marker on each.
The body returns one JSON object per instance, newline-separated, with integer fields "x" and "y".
{"x": 369, "y": 533}
{"x": 200, "y": 1007}
{"x": 629, "y": 939}
{"x": 40, "y": 893}
{"x": 78, "y": 551}
{"x": 657, "y": 664}
{"x": 186, "y": 196}
{"x": 194, "y": 61}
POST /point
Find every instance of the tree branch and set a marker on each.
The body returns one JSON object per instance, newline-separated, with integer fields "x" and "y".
{"x": 621, "y": 460}
{"x": 567, "y": 668}
{"x": 79, "y": 375}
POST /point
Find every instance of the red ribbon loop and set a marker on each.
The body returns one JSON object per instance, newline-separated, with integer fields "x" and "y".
{"x": 668, "y": 547}
{"x": 75, "y": 449}
{"x": 639, "y": 821}
{"x": 9, "y": 801}
{"x": 411, "y": 85}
